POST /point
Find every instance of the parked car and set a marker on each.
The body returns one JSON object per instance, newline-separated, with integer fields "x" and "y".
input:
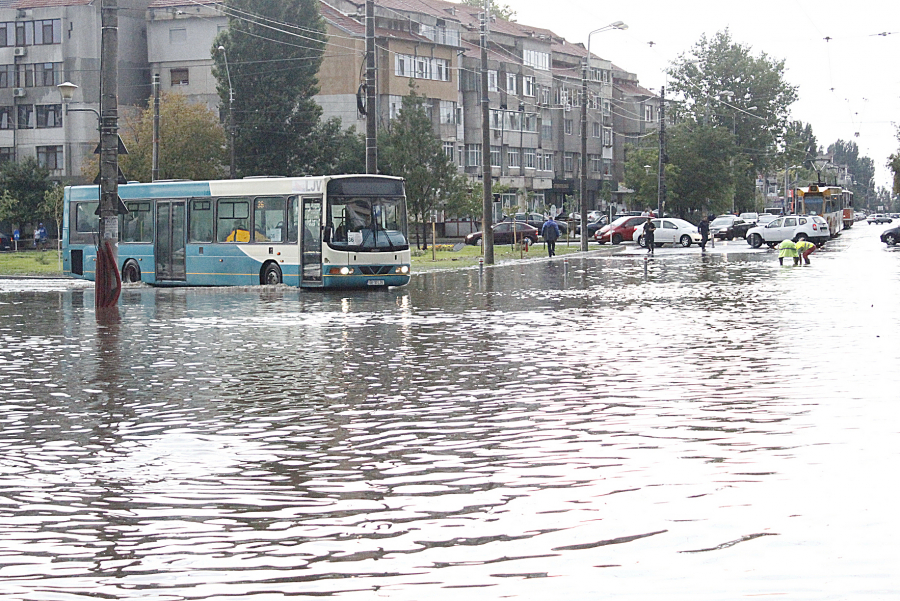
{"x": 750, "y": 217}
{"x": 790, "y": 227}
{"x": 592, "y": 226}
{"x": 729, "y": 227}
{"x": 891, "y": 235}
{"x": 766, "y": 218}
{"x": 669, "y": 231}
{"x": 858, "y": 216}
{"x": 503, "y": 233}
{"x": 620, "y": 229}
{"x": 536, "y": 220}
{"x": 878, "y": 218}
{"x": 5, "y": 242}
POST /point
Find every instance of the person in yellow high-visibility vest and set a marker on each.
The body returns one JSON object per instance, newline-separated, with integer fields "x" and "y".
{"x": 804, "y": 249}
{"x": 787, "y": 248}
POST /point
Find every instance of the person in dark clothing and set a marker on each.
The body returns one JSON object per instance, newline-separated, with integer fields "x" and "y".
{"x": 703, "y": 228}
{"x": 550, "y": 233}
{"x": 649, "y": 236}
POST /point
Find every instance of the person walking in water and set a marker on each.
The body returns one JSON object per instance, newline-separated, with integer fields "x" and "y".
{"x": 804, "y": 249}
{"x": 703, "y": 228}
{"x": 550, "y": 233}
{"x": 787, "y": 248}
{"x": 649, "y": 236}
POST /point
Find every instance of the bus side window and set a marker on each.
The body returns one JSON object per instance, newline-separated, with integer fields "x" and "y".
{"x": 201, "y": 221}
{"x": 268, "y": 219}
{"x": 293, "y": 218}
{"x": 138, "y": 223}
{"x": 233, "y": 223}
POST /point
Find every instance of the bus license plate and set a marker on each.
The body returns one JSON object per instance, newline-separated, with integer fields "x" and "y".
{"x": 375, "y": 282}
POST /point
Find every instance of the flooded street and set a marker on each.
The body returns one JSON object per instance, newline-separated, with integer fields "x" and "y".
{"x": 711, "y": 427}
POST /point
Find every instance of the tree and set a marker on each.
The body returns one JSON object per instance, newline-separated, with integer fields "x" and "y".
{"x": 192, "y": 143}
{"x": 410, "y": 149}
{"x": 338, "y": 151}
{"x": 23, "y": 184}
{"x": 723, "y": 84}
{"x": 702, "y": 181}
{"x": 644, "y": 182}
{"x": 52, "y": 205}
{"x": 273, "y": 50}
{"x": 501, "y": 11}
{"x": 860, "y": 169}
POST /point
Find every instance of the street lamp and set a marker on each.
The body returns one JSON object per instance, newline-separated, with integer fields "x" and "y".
{"x": 584, "y": 102}
{"x": 819, "y": 164}
{"x": 67, "y": 90}
{"x": 231, "y": 172}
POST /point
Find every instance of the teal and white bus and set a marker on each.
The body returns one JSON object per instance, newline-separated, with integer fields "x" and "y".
{"x": 342, "y": 231}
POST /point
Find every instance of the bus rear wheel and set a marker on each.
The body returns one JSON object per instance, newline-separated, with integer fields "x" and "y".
{"x": 131, "y": 272}
{"x": 271, "y": 274}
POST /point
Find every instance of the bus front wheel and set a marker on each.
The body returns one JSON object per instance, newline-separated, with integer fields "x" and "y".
{"x": 271, "y": 274}
{"x": 131, "y": 272}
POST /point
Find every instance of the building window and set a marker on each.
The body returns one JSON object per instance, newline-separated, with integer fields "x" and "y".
{"x": 545, "y": 161}
{"x": 448, "y": 148}
{"x": 178, "y": 35}
{"x": 596, "y": 163}
{"x": 49, "y": 115}
{"x": 495, "y": 156}
{"x": 546, "y": 129}
{"x": 395, "y": 103}
{"x": 28, "y": 33}
{"x": 7, "y": 76}
{"x": 49, "y": 74}
{"x": 512, "y": 157}
{"x": 528, "y": 88}
{"x": 595, "y": 130}
{"x": 648, "y": 113}
{"x": 513, "y": 121}
{"x": 7, "y": 154}
{"x": 421, "y": 67}
{"x": 607, "y": 136}
{"x": 25, "y": 117}
{"x": 511, "y": 83}
{"x": 473, "y": 155}
{"x": 492, "y": 81}
{"x": 401, "y": 66}
{"x": 179, "y": 77}
{"x": 530, "y": 123}
{"x": 568, "y": 125}
{"x": 50, "y": 157}
{"x": 6, "y": 117}
{"x": 569, "y": 161}
{"x": 536, "y": 59}
{"x": 528, "y": 155}
{"x": 448, "y": 112}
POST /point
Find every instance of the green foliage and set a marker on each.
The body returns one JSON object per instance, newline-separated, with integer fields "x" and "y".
{"x": 861, "y": 169}
{"x": 470, "y": 203}
{"x": 410, "y": 149}
{"x": 338, "y": 151}
{"x": 192, "y": 143}
{"x": 644, "y": 184}
{"x": 52, "y": 205}
{"x": 702, "y": 181}
{"x": 273, "y": 75}
{"x": 501, "y": 11}
{"x": 23, "y": 184}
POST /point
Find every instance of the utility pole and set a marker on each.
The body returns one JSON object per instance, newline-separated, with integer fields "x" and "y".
{"x": 154, "y": 169}
{"x": 584, "y": 162}
{"x": 371, "y": 123}
{"x": 663, "y": 159}
{"x": 487, "y": 236}
{"x": 107, "y": 283}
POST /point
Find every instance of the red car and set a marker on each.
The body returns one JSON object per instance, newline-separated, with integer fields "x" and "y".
{"x": 503, "y": 233}
{"x": 620, "y": 229}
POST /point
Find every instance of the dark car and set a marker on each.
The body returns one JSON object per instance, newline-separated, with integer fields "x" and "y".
{"x": 620, "y": 229}
{"x": 891, "y": 236}
{"x": 5, "y": 242}
{"x": 536, "y": 220}
{"x": 592, "y": 226}
{"x": 729, "y": 227}
{"x": 503, "y": 233}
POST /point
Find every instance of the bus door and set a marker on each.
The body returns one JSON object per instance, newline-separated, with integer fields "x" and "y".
{"x": 311, "y": 243}
{"x": 170, "y": 240}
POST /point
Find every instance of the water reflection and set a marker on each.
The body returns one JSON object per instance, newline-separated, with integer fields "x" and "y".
{"x": 535, "y": 430}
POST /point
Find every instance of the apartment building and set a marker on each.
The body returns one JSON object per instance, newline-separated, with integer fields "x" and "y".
{"x": 534, "y": 87}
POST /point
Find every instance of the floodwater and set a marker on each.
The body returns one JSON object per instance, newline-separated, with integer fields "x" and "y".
{"x": 702, "y": 427}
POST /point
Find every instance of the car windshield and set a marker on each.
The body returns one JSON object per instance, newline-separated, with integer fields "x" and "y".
{"x": 720, "y": 221}
{"x": 620, "y": 220}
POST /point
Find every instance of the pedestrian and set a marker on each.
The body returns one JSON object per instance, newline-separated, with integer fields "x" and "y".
{"x": 550, "y": 232}
{"x": 787, "y": 248}
{"x": 804, "y": 249}
{"x": 649, "y": 236}
{"x": 703, "y": 228}
{"x": 40, "y": 235}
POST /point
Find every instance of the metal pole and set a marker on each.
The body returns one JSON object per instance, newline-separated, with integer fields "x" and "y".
{"x": 371, "y": 123}
{"x": 154, "y": 170}
{"x": 107, "y": 284}
{"x": 661, "y": 192}
{"x": 487, "y": 236}
{"x": 584, "y": 161}
{"x": 231, "y": 169}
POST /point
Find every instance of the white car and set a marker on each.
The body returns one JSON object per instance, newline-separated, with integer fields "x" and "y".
{"x": 669, "y": 231}
{"x": 790, "y": 227}
{"x": 750, "y": 217}
{"x": 878, "y": 218}
{"x": 766, "y": 218}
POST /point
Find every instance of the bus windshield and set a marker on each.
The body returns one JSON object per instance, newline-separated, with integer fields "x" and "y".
{"x": 364, "y": 223}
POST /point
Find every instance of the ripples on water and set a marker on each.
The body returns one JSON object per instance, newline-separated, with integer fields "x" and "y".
{"x": 716, "y": 427}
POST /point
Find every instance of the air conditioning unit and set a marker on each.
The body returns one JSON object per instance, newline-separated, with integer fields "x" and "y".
{"x": 19, "y": 92}
{"x": 568, "y": 107}
{"x": 19, "y": 51}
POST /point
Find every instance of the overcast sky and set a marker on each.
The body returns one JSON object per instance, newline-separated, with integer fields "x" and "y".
{"x": 849, "y": 85}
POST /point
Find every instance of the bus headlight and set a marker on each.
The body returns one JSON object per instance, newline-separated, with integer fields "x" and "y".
{"x": 345, "y": 271}
{"x": 403, "y": 269}
{"x": 340, "y": 271}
